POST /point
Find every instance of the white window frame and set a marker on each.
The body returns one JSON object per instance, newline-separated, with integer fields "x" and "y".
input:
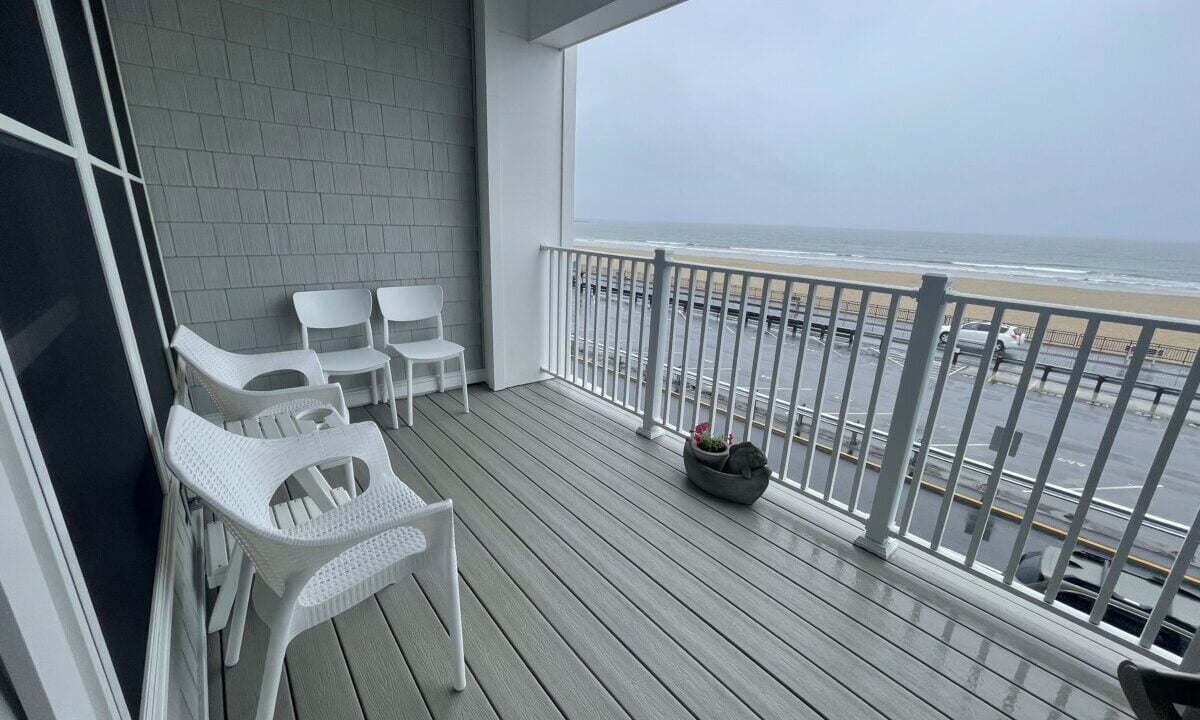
{"x": 53, "y": 646}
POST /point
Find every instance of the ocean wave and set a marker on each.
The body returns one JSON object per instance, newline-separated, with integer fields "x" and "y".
{"x": 1016, "y": 272}
{"x": 1034, "y": 268}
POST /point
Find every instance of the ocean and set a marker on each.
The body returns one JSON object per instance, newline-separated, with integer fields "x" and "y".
{"x": 1143, "y": 266}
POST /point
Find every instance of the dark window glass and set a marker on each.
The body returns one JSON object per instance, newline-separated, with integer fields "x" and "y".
{"x": 156, "y": 266}
{"x": 85, "y": 81}
{"x": 139, "y": 296}
{"x": 104, "y": 40}
{"x": 27, "y": 95}
{"x": 58, "y": 325}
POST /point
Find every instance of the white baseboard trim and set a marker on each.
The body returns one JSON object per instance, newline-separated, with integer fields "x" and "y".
{"x": 360, "y": 396}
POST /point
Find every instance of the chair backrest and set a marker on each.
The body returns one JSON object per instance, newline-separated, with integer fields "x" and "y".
{"x": 408, "y": 303}
{"x": 333, "y": 308}
{"x": 224, "y": 375}
{"x": 211, "y": 362}
{"x": 236, "y": 476}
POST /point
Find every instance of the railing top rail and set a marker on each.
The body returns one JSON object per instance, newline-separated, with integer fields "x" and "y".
{"x": 1115, "y": 316}
{"x": 806, "y": 279}
{"x": 764, "y": 274}
{"x": 598, "y": 253}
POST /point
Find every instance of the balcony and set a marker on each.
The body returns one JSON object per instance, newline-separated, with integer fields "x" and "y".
{"x": 598, "y": 583}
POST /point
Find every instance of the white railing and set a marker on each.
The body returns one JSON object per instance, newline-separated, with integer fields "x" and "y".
{"x": 785, "y": 361}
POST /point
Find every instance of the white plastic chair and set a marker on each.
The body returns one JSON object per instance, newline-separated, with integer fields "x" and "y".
{"x": 316, "y": 570}
{"x": 343, "y": 308}
{"x": 224, "y": 376}
{"x": 421, "y": 302}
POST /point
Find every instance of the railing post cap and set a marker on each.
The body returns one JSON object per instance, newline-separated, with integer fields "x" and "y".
{"x": 935, "y": 282}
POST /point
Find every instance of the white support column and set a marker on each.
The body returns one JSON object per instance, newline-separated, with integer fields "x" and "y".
{"x": 918, "y": 360}
{"x": 660, "y": 297}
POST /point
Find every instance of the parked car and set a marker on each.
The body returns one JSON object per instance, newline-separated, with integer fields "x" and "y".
{"x": 1133, "y": 599}
{"x": 976, "y": 333}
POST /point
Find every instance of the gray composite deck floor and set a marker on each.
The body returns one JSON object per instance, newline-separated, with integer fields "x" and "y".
{"x": 597, "y": 584}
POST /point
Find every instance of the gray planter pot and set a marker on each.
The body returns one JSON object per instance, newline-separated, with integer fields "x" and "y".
{"x": 715, "y": 460}
{"x": 734, "y": 488}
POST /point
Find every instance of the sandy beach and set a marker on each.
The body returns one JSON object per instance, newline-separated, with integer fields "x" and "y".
{"x": 1182, "y": 306}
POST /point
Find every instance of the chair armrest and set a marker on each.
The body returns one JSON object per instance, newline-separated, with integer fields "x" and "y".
{"x": 243, "y": 404}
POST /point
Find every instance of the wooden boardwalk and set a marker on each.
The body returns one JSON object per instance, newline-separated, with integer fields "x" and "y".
{"x": 597, "y": 584}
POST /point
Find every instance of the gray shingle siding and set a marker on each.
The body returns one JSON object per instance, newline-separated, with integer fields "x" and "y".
{"x": 305, "y": 145}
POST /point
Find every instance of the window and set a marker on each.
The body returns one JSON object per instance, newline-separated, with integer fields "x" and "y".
{"x": 27, "y": 96}
{"x": 85, "y": 81}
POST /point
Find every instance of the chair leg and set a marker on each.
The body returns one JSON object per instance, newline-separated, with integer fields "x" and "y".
{"x": 462, "y": 365}
{"x": 223, "y": 605}
{"x": 441, "y": 376}
{"x": 408, "y": 373}
{"x": 237, "y": 624}
{"x": 391, "y": 394}
{"x": 272, "y": 671}
{"x": 456, "y": 637}
{"x": 374, "y": 388}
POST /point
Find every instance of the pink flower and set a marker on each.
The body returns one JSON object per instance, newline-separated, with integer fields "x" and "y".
{"x": 702, "y": 428}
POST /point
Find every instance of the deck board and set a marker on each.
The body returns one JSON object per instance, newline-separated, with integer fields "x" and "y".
{"x": 596, "y": 583}
{"x": 1061, "y": 672}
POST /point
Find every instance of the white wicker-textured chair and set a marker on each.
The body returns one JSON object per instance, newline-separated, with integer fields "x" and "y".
{"x": 343, "y": 308}
{"x": 421, "y": 302}
{"x": 224, "y": 376}
{"x": 313, "y": 571}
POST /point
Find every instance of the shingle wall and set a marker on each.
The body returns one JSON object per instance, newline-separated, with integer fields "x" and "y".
{"x": 303, "y": 144}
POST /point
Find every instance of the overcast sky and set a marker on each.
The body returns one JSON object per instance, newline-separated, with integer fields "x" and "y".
{"x": 1046, "y": 117}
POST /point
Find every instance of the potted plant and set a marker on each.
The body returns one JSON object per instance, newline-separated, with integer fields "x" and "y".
{"x": 710, "y": 449}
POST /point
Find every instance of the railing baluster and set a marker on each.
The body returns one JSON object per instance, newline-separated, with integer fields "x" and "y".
{"x": 587, "y": 308}
{"x": 669, "y": 381}
{"x": 687, "y": 339}
{"x": 708, "y": 283}
{"x": 551, "y": 314}
{"x": 1170, "y": 588}
{"x": 629, "y": 330}
{"x": 935, "y": 406}
{"x": 964, "y": 435}
{"x": 1183, "y": 406}
{"x": 1006, "y": 440}
{"x": 764, "y": 307}
{"x": 601, "y": 262}
{"x": 608, "y": 283}
{"x": 716, "y": 379}
{"x": 577, "y": 318}
{"x": 839, "y": 432}
{"x": 784, "y": 316}
{"x": 640, "y": 387}
{"x": 789, "y": 439}
{"x": 616, "y": 374}
{"x": 737, "y": 354}
{"x": 922, "y": 342}
{"x": 814, "y": 431}
{"x": 1106, "y": 442}
{"x": 1051, "y": 450}
{"x": 564, "y": 267}
{"x": 864, "y": 451}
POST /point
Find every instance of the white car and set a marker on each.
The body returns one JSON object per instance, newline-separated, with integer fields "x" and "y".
{"x": 976, "y": 333}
